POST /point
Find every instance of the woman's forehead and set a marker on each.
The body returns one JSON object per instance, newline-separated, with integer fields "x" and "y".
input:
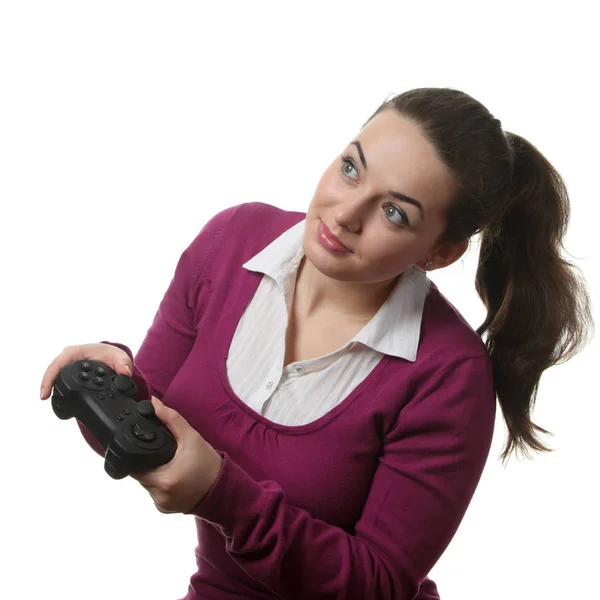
{"x": 397, "y": 154}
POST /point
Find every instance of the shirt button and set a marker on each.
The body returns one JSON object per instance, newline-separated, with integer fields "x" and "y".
{"x": 299, "y": 369}
{"x": 269, "y": 385}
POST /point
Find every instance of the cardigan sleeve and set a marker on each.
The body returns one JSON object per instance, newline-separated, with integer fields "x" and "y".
{"x": 430, "y": 465}
{"x": 172, "y": 333}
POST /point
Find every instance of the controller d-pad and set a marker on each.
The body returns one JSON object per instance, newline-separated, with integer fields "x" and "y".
{"x": 142, "y": 434}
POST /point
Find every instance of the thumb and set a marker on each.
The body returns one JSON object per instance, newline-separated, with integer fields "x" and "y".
{"x": 171, "y": 418}
{"x": 124, "y": 368}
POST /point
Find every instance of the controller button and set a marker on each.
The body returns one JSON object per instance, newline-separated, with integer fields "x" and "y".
{"x": 100, "y": 396}
{"x": 98, "y": 381}
{"x": 111, "y": 394}
{"x": 126, "y": 411}
{"x": 100, "y": 371}
{"x": 85, "y": 366}
{"x": 149, "y": 436}
{"x": 145, "y": 409}
{"x": 83, "y": 376}
{"x": 123, "y": 383}
{"x": 120, "y": 417}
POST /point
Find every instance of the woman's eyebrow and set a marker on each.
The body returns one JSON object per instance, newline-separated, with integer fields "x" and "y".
{"x": 360, "y": 153}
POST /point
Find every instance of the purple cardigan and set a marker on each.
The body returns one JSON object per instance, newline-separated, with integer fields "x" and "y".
{"x": 359, "y": 504}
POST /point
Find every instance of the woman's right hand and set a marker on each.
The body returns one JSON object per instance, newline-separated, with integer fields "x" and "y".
{"x": 114, "y": 357}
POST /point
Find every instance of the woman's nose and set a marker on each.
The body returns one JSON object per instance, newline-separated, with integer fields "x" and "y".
{"x": 346, "y": 221}
{"x": 351, "y": 213}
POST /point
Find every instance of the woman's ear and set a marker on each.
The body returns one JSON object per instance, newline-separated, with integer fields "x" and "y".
{"x": 444, "y": 255}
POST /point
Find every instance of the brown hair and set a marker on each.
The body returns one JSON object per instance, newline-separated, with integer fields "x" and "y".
{"x": 538, "y": 308}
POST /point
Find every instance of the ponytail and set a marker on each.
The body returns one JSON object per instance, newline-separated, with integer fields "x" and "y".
{"x": 538, "y": 311}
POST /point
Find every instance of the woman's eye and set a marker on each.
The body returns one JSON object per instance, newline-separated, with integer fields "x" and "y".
{"x": 391, "y": 211}
{"x": 348, "y": 166}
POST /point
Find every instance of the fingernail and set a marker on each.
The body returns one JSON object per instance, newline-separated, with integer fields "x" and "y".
{"x": 41, "y": 393}
{"x": 128, "y": 370}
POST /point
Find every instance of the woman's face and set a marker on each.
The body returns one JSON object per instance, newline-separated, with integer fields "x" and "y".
{"x": 361, "y": 199}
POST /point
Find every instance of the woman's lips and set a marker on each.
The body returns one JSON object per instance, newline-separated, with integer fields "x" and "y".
{"x": 329, "y": 241}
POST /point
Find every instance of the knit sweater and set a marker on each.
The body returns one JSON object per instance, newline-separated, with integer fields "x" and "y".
{"x": 357, "y": 504}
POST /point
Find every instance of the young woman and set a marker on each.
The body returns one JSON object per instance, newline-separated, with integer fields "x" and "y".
{"x": 333, "y": 410}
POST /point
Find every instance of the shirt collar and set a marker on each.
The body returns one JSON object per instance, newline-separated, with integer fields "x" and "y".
{"x": 395, "y": 328}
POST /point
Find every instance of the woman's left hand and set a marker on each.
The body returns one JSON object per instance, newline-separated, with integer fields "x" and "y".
{"x": 177, "y": 486}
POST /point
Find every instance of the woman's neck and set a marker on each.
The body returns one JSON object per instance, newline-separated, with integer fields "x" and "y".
{"x": 317, "y": 295}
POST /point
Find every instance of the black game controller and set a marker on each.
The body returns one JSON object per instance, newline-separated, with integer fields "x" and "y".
{"x": 131, "y": 434}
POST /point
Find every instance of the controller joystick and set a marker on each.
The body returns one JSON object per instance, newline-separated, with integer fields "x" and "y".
{"x": 131, "y": 434}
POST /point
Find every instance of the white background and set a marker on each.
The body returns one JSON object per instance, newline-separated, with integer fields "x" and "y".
{"x": 124, "y": 126}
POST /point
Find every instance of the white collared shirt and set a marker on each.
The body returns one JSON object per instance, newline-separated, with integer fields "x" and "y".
{"x": 304, "y": 391}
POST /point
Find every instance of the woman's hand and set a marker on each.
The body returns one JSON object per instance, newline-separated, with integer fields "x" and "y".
{"x": 112, "y": 356}
{"x": 177, "y": 486}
